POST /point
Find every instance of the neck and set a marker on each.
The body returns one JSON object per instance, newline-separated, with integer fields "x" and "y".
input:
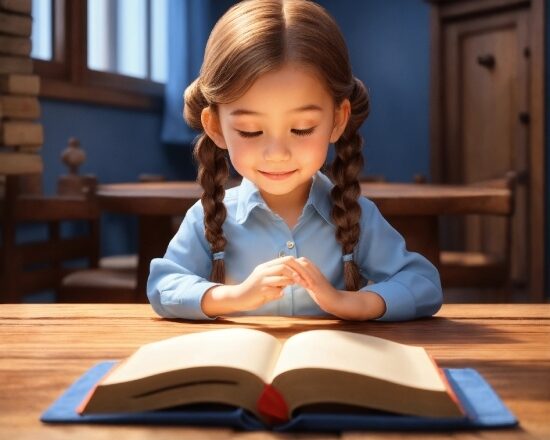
{"x": 289, "y": 206}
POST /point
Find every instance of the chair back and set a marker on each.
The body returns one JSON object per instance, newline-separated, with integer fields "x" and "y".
{"x": 483, "y": 255}
{"x": 40, "y": 263}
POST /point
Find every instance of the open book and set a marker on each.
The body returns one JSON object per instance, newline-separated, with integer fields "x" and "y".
{"x": 253, "y": 370}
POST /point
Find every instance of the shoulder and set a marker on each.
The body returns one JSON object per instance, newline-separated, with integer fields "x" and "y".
{"x": 196, "y": 212}
{"x": 368, "y": 207}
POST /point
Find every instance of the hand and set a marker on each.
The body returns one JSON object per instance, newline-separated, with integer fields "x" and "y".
{"x": 263, "y": 285}
{"x": 312, "y": 279}
{"x": 341, "y": 303}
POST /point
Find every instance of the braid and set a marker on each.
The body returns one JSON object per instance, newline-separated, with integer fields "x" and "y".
{"x": 346, "y": 168}
{"x": 213, "y": 173}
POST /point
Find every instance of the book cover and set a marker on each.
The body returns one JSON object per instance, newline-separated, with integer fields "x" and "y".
{"x": 253, "y": 370}
{"x": 248, "y": 379}
{"x": 483, "y": 410}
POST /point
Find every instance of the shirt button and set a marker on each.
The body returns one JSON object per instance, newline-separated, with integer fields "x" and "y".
{"x": 290, "y": 244}
{"x": 282, "y": 254}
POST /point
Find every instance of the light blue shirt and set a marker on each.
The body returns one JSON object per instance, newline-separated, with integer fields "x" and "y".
{"x": 408, "y": 282}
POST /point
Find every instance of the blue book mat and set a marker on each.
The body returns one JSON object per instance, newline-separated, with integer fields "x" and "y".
{"x": 483, "y": 406}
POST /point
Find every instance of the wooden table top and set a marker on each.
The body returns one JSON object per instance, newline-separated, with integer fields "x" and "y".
{"x": 45, "y": 347}
{"x": 174, "y": 198}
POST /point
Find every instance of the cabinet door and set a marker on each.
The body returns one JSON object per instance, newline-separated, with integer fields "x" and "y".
{"x": 485, "y": 78}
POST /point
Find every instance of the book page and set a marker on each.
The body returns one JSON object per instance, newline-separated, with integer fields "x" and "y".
{"x": 246, "y": 349}
{"x": 361, "y": 354}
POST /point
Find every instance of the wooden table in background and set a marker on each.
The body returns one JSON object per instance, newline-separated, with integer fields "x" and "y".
{"x": 45, "y": 347}
{"x": 413, "y": 209}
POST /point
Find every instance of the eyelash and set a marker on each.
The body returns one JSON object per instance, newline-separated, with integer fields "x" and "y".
{"x": 252, "y": 134}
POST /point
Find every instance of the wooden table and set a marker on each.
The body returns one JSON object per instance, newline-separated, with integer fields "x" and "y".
{"x": 413, "y": 209}
{"x": 45, "y": 347}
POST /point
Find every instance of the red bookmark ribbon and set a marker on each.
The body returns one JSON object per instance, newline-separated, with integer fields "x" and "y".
{"x": 272, "y": 405}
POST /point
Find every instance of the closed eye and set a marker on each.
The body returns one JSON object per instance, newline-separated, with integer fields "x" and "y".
{"x": 251, "y": 134}
{"x": 305, "y": 132}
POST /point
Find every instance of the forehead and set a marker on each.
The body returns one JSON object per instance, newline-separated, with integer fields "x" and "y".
{"x": 284, "y": 90}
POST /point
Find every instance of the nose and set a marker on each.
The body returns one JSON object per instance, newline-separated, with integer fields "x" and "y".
{"x": 276, "y": 150}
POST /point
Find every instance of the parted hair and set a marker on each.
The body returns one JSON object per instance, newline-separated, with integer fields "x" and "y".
{"x": 255, "y": 37}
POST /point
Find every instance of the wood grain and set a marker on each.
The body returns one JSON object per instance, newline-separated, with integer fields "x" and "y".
{"x": 45, "y": 347}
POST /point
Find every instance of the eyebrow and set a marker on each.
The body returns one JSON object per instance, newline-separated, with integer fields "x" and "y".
{"x": 304, "y": 108}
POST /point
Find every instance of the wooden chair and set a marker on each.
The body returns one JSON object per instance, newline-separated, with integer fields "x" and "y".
{"x": 128, "y": 262}
{"x": 46, "y": 264}
{"x": 481, "y": 268}
{"x": 372, "y": 178}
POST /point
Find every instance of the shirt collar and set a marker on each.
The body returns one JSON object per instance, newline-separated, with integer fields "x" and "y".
{"x": 249, "y": 197}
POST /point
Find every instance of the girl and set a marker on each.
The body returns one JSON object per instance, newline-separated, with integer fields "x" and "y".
{"x": 275, "y": 89}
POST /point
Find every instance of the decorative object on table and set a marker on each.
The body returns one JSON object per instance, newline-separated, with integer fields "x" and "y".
{"x": 72, "y": 183}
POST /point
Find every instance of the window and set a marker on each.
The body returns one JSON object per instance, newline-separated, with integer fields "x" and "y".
{"x": 103, "y": 51}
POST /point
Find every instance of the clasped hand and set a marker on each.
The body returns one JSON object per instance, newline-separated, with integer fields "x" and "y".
{"x": 268, "y": 280}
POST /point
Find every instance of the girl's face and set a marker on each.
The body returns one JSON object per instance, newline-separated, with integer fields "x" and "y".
{"x": 278, "y": 133}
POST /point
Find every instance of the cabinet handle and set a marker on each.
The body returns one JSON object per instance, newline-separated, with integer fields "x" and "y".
{"x": 524, "y": 118}
{"x": 486, "y": 60}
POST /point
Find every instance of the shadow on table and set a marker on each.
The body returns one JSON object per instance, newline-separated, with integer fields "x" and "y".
{"x": 428, "y": 331}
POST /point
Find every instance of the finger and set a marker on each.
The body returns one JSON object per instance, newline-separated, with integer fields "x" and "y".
{"x": 277, "y": 281}
{"x": 310, "y": 266}
{"x": 279, "y": 269}
{"x": 288, "y": 270}
{"x": 305, "y": 277}
{"x": 271, "y": 294}
{"x": 278, "y": 260}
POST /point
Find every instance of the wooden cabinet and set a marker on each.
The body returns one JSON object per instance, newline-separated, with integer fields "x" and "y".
{"x": 487, "y": 118}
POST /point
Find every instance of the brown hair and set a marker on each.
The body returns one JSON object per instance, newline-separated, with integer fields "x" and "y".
{"x": 255, "y": 37}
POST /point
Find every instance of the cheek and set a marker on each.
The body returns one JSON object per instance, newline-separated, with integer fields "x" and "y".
{"x": 241, "y": 155}
{"x": 313, "y": 147}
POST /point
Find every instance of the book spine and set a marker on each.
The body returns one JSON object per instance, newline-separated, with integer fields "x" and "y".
{"x": 20, "y": 163}
{"x": 15, "y": 84}
{"x": 18, "y": 6}
{"x": 14, "y": 133}
{"x": 21, "y": 137}
{"x": 19, "y": 107}
{"x": 15, "y": 24}
{"x": 15, "y": 65}
{"x": 15, "y": 45}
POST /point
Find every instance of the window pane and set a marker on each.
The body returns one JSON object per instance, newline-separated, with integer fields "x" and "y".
{"x": 132, "y": 38}
{"x": 42, "y": 29}
{"x": 122, "y": 34}
{"x": 159, "y": 40}
{"x": 99, "y": 35}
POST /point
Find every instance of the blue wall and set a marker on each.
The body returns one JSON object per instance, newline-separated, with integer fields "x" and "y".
{"x": 388, "y": 43}
{"x": 120, "y": 144}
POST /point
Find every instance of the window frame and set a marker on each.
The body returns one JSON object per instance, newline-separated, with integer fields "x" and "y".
{"x": 68, "y": 77}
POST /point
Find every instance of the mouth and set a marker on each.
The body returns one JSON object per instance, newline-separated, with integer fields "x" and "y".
{"x": 277, "y": 175}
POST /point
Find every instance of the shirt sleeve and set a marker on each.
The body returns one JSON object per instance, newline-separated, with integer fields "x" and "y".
{"x": 407, "y": 281}
{"x": 178, "y": 281}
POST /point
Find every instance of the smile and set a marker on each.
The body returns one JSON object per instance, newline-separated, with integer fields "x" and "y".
{"x": 277, "y": 175}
